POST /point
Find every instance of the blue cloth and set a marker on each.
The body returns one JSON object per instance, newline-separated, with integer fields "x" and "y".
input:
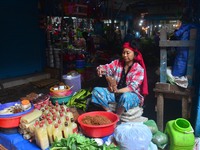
{"x": 180, "y": 63}
{"x": 16, "y": 142}
{"x": 102, "y": 96}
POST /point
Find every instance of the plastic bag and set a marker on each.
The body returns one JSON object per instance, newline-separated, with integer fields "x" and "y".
{"x": 160, "y": 139}
{"x": 132, "y": 136}
{"x": 152, "y": 126}
{"x": 180, "y": 81}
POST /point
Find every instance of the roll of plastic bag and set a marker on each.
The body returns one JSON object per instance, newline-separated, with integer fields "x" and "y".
{"x": 133, "y": 136}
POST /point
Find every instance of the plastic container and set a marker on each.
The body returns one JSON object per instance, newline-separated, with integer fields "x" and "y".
{"x": 60, "y": 93}
{"x": 181, "y": 134}
{"x": 25, "y": 104}
{"x": 67, "y": 130}
{"x": 73, "y": 79}
{"x": 61, "y": 100}
{"x": 12, "y": 120}
{"x": 44, "y": 101}
{"x": 42, "y": 137}
{"x": 100, "y": 130}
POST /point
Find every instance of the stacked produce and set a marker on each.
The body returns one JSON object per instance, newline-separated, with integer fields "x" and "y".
{"x": 61, "y": 93}
{"x": 50, "y": 123}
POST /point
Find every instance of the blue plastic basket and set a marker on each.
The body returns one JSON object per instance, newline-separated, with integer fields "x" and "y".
{"x": 6, "y": 105}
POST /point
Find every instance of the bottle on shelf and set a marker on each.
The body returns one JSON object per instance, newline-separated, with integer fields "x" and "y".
{"x": 63, "y": 106}
{"x": 57, "y": 133}
{"x": 60, "y": 124}
{"x": 74, "y": 126}
{"x": 55, "y": 119}
{"x": 50, "y": 131}
{"x": 57, "y": 105}
{"x": 33, "y": 127}
{"x": 66, "y": 131}
{"x": 42, "y": 137}
{"x": 67, "y": 120}
{"x": 62, "y": 118}
{"x": 69, "y": 114}
{"x": 46, "y": 111}
{"x": 57, "y": 112}
{"x": 49, "y": 115}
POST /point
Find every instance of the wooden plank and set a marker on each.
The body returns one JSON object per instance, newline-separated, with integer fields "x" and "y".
{"x": 46, "y": 82}
{"x": 168, "y": 43}
{"x": 173, "y": 89}
{"x": 169, "y": 96}
{"x": 163, "y": 86}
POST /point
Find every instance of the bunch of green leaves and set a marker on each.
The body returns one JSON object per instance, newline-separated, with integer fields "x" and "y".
{"x": 79, "y": 142}
{"x": 80, "y": 99}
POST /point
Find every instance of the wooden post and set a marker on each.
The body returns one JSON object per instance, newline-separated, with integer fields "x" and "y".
{"x": 184, "y": 107}
{"x": 163, "y": 57}
{"x": 190, "y": 63}
{"x": 160, "y": 111}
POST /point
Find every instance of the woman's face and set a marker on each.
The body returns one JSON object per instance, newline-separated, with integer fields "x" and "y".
{"x": 128, "y": 55}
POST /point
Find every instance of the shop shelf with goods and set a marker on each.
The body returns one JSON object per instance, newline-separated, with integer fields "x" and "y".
{"x": 66, "y": 49}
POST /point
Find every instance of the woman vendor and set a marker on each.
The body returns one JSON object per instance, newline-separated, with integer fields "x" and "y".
{"x": 129, "y": 73}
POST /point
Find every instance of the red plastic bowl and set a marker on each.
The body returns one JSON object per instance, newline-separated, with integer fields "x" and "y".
{"x": 12, "y": 120}
{"x": 100, "y": 130}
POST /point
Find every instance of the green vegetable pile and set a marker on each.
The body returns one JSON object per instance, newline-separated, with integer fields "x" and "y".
{"x": 79, "y": 142}
{"x": 79, "y": 99}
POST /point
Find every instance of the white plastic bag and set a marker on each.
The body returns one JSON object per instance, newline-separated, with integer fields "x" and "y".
{"x": 133, "y": 136}
{"x": 180, "y": 81}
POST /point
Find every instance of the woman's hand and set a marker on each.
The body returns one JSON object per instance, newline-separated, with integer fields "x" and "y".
{"x": 100, "y": 71}
{"x": 115, "y": 90}
{"x": 112, "y": 89}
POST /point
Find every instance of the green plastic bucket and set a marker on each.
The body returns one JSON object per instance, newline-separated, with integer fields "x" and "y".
{"x": 181, "y": 134}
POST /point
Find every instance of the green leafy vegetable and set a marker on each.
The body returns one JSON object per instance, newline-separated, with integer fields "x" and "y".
{"x": 79, "y": 142}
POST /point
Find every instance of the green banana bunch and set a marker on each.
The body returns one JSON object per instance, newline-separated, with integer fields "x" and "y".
{"x": 79, "y": 100}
